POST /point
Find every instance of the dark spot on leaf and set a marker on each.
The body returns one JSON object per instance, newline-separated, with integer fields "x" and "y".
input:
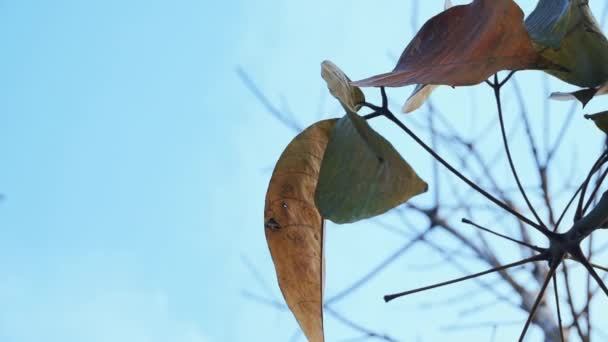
{"x": 284, "y": 205}
{"x": 272, "y": 224}
{"x": 380, "y": 160}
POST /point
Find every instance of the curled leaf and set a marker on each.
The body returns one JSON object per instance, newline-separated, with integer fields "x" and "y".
{"x": 566, "y": 33}
{"x": 600, "y": 119}
{"x": 294, "y": 227}
{"x": 339, "y": 86}
{"x": 464, "y": 46}
{"x": 583, "y": 95}
{"x": 419, "y": 96}
{"x": 362, "y": 175}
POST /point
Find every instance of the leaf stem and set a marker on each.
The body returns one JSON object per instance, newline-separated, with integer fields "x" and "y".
{"x": 539, "y": 298}
{"x": 559, "y": 312}
{"x": 496, "y": 86}
{"x": 536, "y": 248}
{"x": 389, "y": 115}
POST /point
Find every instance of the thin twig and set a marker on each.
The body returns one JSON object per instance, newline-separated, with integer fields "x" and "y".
{"x": 391, "y": 297}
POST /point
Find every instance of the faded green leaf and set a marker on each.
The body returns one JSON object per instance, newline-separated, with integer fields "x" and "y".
{"x": 362, "y": 175}
{"x": 339, "y": 86}
{"x": 566, "y": 33}
{"x": 600, "y": 119}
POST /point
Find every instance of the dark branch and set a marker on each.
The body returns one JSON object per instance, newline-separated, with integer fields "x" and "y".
{"x": 469, "y": 222}
{"x": 539, "y": 257}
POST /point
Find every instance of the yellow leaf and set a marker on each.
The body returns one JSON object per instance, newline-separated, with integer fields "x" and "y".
{"x": 294, "y": 227}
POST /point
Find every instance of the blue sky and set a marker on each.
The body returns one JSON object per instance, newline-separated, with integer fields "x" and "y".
{"x": 134, "y": 163}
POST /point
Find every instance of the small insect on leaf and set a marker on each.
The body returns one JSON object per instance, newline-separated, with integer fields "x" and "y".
{"x": 600, "y": 119}
{"x": 339, "y": 85}
{"x": 566, "y": 33}
{"x": 464, "y": 45}
{"x": 362, "y": 175}
{"x": 294, "y": 227}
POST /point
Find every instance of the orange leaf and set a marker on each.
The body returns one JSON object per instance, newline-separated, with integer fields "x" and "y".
{"x": 294, "y": 227}
{"x": 464, "y": 45}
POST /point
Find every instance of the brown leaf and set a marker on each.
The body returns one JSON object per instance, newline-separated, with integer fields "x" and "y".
{"x": 294, "y": 227}
{"x": 464, "y": 45}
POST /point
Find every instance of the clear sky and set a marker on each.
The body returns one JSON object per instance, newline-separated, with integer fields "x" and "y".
{"x": 134, "y": 163}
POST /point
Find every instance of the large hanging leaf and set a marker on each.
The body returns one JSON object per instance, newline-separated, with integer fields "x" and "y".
{"x": 600, "y": 119}
{"x": 339, "y": 85}
{"x": 362, "y": 175}
{"x": 294, "y": 227}
{"x": 566, "y": 33}
{"x": 464, "y": 46}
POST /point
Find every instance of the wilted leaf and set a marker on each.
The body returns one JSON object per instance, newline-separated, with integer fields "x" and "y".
{"x": 464, "y": 46}
{"x": 339, "y": 85}
{"x": 600, "y": 119}
{"x": 566, "y": 33}
{"x": 362, "y": 175}
{"x": 583, "y": 95}
{"x": 294, "y": 227}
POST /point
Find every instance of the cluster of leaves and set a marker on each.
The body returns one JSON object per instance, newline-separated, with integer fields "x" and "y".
{"x": 343, "y": 170}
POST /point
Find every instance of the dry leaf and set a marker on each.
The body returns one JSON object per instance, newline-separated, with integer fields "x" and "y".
{"x": 419, "y": 96}
{"x": 464, "y": 46}
{"x": 339, "y": 85}
{"x": 583, "y": 95}
{"x": 600, "y": 119}
{"x": 294, "y": 227}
